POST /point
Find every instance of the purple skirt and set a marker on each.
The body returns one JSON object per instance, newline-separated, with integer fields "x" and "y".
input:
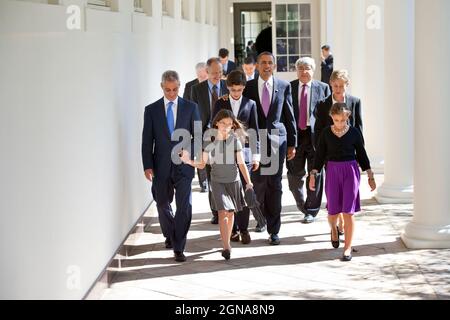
{"x": 342, "y": 187}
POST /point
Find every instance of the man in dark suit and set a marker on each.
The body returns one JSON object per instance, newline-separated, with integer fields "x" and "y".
{"x": 249, "y": 68}
{"x": 275, "y": 114}
{"x": 161, "y": 119}
{"x": 339, "y": 83}
{"x": 244, "y": 110}
{"x": 202, "y": 75}
{"x": 306, "y": 93}
{"x": 327, "y": 64}
{"x": 227, "y": 64}
{"x": 206, "y": 94}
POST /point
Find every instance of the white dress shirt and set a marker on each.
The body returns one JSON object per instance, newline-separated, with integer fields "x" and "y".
{"x": 235, "y": 105}
{"x": 261, "y": 87}
{"x": 334, "y": 101}
{"x": 174, "y": 109}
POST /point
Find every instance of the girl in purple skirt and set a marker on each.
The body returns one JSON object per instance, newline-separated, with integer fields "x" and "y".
{"x": 341, "y": 148}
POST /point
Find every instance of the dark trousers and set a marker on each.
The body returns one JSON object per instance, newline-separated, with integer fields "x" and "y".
{"x": 304, "y": 157}
{"x": 208, "y": 175}
{"x": 202, "y": 178}
{"x": 268, "y": 189}
{"x": 174, "y": 226}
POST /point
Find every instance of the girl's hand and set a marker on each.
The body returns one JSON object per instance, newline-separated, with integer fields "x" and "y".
{"x": 312, "y": 182}
{"x": 249, "y": 186}
{"x": 372, "y": 183}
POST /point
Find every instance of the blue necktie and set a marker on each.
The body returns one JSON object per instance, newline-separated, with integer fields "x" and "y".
{"x": 170, "y": 118}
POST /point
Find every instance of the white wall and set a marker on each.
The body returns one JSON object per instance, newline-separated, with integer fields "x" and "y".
{"x": 71, "y": 106}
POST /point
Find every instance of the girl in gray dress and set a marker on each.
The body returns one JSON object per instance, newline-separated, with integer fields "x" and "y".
{"x": 223, "y": 151}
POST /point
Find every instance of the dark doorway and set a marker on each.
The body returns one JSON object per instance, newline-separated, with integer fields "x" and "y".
{"x": 249, "y": 20}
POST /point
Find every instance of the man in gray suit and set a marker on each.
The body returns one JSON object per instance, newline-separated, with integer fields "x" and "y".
{"x": 306, "y": 93}
{"x": 206, "y": 94}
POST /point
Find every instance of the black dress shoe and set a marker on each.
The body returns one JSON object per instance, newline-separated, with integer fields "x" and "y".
{"x": 335, "y": 244}
{"x": 260, "y": 228}
{"x": 347, "y": 258}
{"x": 215, "y": 220}
{"x": 168, "y": 243}
{"x": 235, "y": 237}
{"x": 274, "y": 239}
{"x": 245, "y": 237}
{"x": 226, "y": 254}
{"x": 179, "y": 256}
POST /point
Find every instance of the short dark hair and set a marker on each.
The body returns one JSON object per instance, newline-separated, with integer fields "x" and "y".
{"x": 265, "y": 53}
{"x": 326, "y": 47}
{"x": 223, "y": 53}
{"x": 249, "y": 60}
{"x": 249, "y": 43}
{"x": 236, "y": 78}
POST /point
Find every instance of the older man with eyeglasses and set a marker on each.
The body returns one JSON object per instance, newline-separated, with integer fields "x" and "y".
{"x": 306, "y": 93}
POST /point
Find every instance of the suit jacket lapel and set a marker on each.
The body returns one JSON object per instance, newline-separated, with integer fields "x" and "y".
{"x": 242, "y": 106}
{"x": 179, "y": 113}
{"x": 314, "y": 94}
{"x": 349, "y": 103}
{"x": 274, "y": 95}
{"x": 162, "y": 112}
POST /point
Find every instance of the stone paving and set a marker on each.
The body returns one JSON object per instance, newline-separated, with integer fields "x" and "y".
{"x": 303, "y": 266}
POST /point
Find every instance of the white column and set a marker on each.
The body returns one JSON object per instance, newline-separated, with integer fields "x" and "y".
{"x": 430, "y": 226}
{"x": 372, "y": 104}
{"x": 398, "y": 103}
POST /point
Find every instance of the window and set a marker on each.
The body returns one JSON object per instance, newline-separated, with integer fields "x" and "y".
{"x": 99, "y": 4}
{"x": 198, "y": 11}
{"x": 215, "y": 13}
{"x": 168, "y": 8}
{"x": 185, "y": 14}
{"x": 293, "y": 34}
{"x": 138, "y": 6}
{"x": 208, "y": 12}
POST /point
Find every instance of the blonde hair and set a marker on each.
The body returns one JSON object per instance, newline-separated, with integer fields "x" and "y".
{"x": 340, "y": 75}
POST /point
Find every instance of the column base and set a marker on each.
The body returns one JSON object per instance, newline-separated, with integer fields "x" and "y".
{"x": 388, "y": 194}
{"x": 377, "y": 165}
{"x": 418, "y": 236}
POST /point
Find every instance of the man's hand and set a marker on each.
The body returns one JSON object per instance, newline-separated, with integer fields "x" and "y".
{"x": 291, "y": 153}
{"x": 255, "y": 166}
{"x": 149, "y": 174}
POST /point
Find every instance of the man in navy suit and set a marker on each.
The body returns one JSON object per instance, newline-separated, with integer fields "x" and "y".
{"x": 275, "y": 114}
{"x": 244, "y": 110}
{"x": 227, "y": 64}
{"x": 206, "y": 94}
{"x": 161, "y": 119}
{"x": 306, "y": 93}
